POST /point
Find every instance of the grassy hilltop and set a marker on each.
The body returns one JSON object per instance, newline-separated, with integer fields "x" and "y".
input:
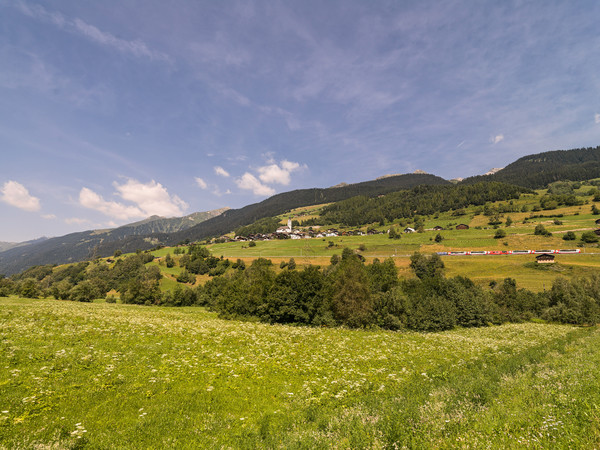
{"x": 99, "y": 375}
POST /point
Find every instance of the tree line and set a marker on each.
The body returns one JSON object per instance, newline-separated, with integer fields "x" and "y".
{"x": 348, "y": 293}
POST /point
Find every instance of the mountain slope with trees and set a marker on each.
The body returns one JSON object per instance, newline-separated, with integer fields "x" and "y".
{"x": 280, "y": 203}
{"x": 538, "y": 170}
{"x": 421, "y": 200}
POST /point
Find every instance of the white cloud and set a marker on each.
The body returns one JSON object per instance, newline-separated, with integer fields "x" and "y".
{"x": 152, "y": 198}
{"x": 497, "y": 138}
{"x": 149, "y": 199}
{"x": 597, "y": 118}
{"x": 15, "y": 194}
{"x": 274, "y": 173}
{"x": 48, "y": 216}
{"x": 201, "y": 183}
{"x": 251, "y": 183}
{"x": 89, "y": 199}
{"x": 220, "y": 171}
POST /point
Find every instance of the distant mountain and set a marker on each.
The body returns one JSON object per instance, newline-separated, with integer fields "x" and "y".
{"x": 157, "y": 224}
{"x": 87, "y": 244}
{"x": 8, "y": 245}
{"x": 539, "y": 170}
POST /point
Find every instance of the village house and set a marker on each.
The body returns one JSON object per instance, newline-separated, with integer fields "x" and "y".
{"x": 409, "y": 230}
{"x": 462, "y": 226}
{"x": 545, "y": 258}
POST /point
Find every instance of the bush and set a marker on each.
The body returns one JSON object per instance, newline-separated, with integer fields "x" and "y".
{"x": 540, "y": 230}
{"x": 569, "y": 236}
{"x": 170, "y": 262}
{"x": 500, "y": 233}
{"x": 589, "y": 237}
{"x": 185, "y": 277}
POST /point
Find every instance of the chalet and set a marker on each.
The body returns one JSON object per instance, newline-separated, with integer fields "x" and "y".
{"x": 545, "y": 258}
{"x": 438, "y": 228}
{"x": 462, "y": 226}
{"x": 409, "y": 230}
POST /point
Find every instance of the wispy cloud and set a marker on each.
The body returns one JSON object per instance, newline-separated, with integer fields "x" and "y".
{"x": 49, "y": 216}
{"x": 201, "y": 183}
{"x": 597, "y": 118}
{"x": 221, "y": 172}
{"x": 496, "y": 139}
{"x": 135, "y": 47}
{"x": 17, "y": 195}
{"x": 76, "y": 221}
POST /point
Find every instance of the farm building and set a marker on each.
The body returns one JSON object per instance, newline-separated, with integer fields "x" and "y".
{"x": 462, "y": 226}
{"x": 409, "y": 230}
{"x": 545, "y": 258}
{"x": 438, "y": 228}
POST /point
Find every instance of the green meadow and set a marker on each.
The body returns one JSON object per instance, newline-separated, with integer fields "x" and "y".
{"x": 76, "y": 375}
{"x": 480, "y": 236}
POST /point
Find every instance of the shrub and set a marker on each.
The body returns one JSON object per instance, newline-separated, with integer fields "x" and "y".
{"x": 170, "y": 262}
{"x": 540, "y": 230}
{"x": 589, "y": 237}
{"x": 500, "y": 233}
{"x": 185, "y": 277}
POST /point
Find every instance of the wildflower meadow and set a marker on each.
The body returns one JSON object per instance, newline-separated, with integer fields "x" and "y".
{"x": 98, "y": 375}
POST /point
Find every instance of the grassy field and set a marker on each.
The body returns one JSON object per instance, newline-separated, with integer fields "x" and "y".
{"x": 100, "y": 375}
{"x": 481, "y": 269}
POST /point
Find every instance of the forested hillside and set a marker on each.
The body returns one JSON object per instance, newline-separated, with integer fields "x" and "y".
{"x": 537, "y": 171}
{"x": 280, "y": 203}
{"x": 421, "y": 200}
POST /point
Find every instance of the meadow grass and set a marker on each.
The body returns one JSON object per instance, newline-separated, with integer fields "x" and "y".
{"x": 121, "y": 376}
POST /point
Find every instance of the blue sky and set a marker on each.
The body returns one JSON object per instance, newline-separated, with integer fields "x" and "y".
{"x": 114, "y": 111}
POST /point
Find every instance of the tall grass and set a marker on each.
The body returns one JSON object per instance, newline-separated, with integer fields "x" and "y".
{"x": 120, "y": 376}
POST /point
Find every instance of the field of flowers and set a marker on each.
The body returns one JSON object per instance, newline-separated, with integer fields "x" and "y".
{"x": 75, "y": 375}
